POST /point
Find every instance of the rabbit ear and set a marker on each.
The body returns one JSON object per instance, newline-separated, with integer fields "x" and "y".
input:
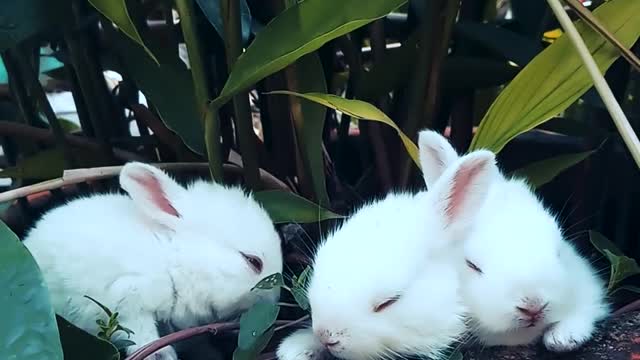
{"x": 152, "y": 190}
{"x": 463, "y": 188}
{"x": 436, "y": 154}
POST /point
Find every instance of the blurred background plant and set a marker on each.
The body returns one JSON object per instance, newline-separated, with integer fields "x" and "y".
{"x": 314, "y": 105}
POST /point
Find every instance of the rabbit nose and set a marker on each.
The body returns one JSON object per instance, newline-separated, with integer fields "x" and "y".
{"x": 533, "y": 311}
{"x": 326, "y": 338}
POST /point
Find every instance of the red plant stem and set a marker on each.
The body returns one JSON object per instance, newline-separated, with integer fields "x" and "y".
{"x": 213, "y": 329}
{"x": 633, "y": 306}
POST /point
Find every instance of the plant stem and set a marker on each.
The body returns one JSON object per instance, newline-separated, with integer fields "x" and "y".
{"x": 203, "y": 91}
{"x": 436, "y": 25}
{"x": 196, "y": 55}
{"x": 619, "y": 119}
{"x": 31, "y": 78}
{"x": 230, "y": 10}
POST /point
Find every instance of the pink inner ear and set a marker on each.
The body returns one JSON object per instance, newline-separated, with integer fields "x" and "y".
{"x": 158, "y": 197}
{"x": 460, "y": 188}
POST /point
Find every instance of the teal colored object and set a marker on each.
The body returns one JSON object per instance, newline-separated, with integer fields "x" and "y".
{"x": 47, "y": 63}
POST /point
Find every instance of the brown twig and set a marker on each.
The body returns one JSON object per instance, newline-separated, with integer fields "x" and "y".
{"x": 292, "y": 323}
{"x": 76, "y": 176}
{"x": 9, "y": 128}
{"x": 585, "y": 15}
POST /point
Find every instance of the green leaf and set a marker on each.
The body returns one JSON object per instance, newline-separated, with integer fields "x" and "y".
{"x": 622, "y": 266}
{"x": 299, "y": 30}
{"x": 25, "y": 18}
{"x": 259, "y": 345}
{"x": 255, "y": 322}
{"x": 542, "y": 172}
{"x": 28, "y": 330}
{"x": 270, "y": 282}
{"x": 104, "y": 308}
{"x": 555, "y": 78}
{"x": 358, "y": 110}
{"x": 310, "y": 123}
{"x": 630, "y": 288}
{"x": 49, "y": 164}
{"x": 69, "y": 126}
{"x": 503, "y": 42}
{"x": 118, "y": 12}
{"x": 78, "y": 344}
{"x": 284, "y": 206}
{"x": 46, "y": 164}
{"x": 211, "y": 10}
{"x": 176, "y": 104}
{"x": 298, "y": 290}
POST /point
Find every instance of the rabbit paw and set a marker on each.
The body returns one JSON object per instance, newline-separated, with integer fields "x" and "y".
{"x": 567, "y": 336}
{"x": 301, "y": 345}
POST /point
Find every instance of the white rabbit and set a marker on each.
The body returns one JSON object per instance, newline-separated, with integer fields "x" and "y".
{"x": 386, "y": 281}
{"x": 522, "y": 279}
{"x": 165, "y": 253}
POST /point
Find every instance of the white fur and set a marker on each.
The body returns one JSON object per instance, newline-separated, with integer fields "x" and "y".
{"x": 149, "y": 265}
{"x": 522, "y": 253}
{"x": 402, "y": 244}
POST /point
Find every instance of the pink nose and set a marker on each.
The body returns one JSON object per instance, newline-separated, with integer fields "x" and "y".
{"x": 533, "y": 312}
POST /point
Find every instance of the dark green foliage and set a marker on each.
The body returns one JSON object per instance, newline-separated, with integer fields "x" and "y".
{"x": 338, "y": 93}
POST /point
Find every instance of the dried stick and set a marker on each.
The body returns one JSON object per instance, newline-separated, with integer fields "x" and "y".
{"x": 620, "y": 120}
{"x": 75, "y": 176}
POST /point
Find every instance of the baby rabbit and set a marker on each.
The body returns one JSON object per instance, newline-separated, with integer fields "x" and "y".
{"x": 386, "y": 282}
{"x": 522, "y": 279}
{"x": 165, "y": 253}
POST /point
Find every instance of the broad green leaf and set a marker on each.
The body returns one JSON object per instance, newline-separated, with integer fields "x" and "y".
{"x": 255, "y": 322}
{"x": 211, "y": 9}
{"x": 29, "y": 330}
{"x": 22, "y": 19}
{"x": 284, "y": 206}
{"x": 299, "y": 288}
{"x": 270, "y": 282}
{"x": 310, "y": 122}
{"x": 78, "y": 344}
{"x": 359, "y": 110}
{"x": 118, "y": 12}
{"x": 506, "y": 43}
{"x": 622, "y": 266}
{"x": 49, "y": 164}
{"x": 555, "y": 78}
{"x": 169, "y": 87}
{"x": 299, "y": 30}
{"x": 541, "y": 172}
{"x": 260, "y": 343}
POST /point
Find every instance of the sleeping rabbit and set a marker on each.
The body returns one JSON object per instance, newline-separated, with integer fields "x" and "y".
{"x": 164, "y": 253}
{"x": 521, "y": 279}
{"x": 386, "y": 281}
